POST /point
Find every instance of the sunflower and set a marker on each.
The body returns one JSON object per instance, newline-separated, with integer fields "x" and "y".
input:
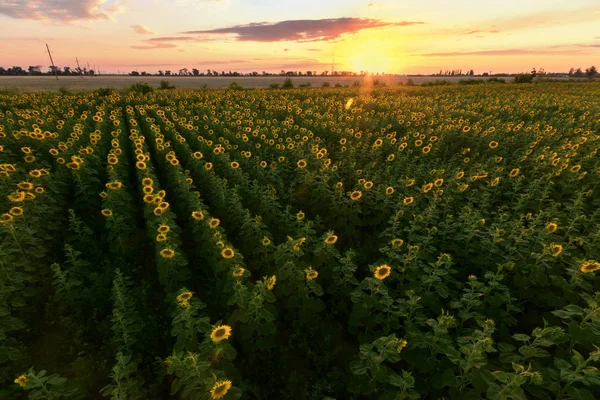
{"x": 184, "y": 297}
{"x": 389, "y": 190}
{"x": 25, "y": 185}
{"x": 158, "y": 211}
{"x": 208, "y": 166}
{"x": 17, "y": 197}
{"x": 148, "y": 199}
{"x": 410, "y": 182}
{"x": 391, "y": 157}
{"x": 575, "y": 168}
{"x": 197, "y": 155}
{"x": 114, "y": 185}
{"x": 493, "y": 144}
{"x": 239, "y": 272}
{"x": 161, "y": 194}
{"x": 438, "y": 182}
{"x": 220, "y": 332}
{"x": 54, "y": 152}
{"x": 163, "y": 229}
{"x": 5, "y": 218}
{"x": 300, "y": 216}
{"x": 147, "y": 182}
{"x": 220, "y": 389}
{"x": 551, "y": 227}
{"x": 331, "y": 238}
{"x": 29, "y": 159}
{"x": 368, "y": 185}
{"x": 102, "y": 194}
{"x": 401, "y": 345}
{"x": 357, "y": 194}
{"x": 311, "y": 274}
{"x": 167, "y": 253}
{"x": 397, "y": 243}
{"x": 266, "y": 241}
{"x": 495, "y": 181}
{"x": 39, "y": 190}
{"x": 22, "y": 381}
{"x": 228, "y": 252}
{"x": 408, "y": 200}
{"x": 382, "y": 272}
{"x": 214, "y": 222}
{"x": 463, "y": 187}
{"x": 514, "y": 172}
{"x": 555, "y": 249}
{"x": 163, "y": 204}
{"x": 161, "y": 237}
{"x": 427, "y": 187}
{"x": 589, "y": 266}
{"x": 107, "y": 212}
{"x": 148, "y": 189}
{"x": 339, "y": 185}
{"x": 271, "y": 282}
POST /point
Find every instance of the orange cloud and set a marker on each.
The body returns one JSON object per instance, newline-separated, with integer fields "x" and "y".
{"x": 301, "y": 30}
{"x": 142, "y": 30}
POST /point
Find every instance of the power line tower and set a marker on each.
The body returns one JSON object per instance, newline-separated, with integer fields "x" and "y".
{"x": 52, "y": 61}
{"x": 79, "y": 67}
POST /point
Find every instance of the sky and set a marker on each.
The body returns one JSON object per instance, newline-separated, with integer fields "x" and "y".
{"x": 391, "y": 36}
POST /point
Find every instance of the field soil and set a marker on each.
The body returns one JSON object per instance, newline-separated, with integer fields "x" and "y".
{"x": 49, "y": 83}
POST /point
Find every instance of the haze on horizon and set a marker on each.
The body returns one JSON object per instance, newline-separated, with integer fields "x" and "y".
{"x": 406, "y": 36}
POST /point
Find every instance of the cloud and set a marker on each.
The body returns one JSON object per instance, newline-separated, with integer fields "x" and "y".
{"x": 173, "y": 39}
{"x": 301, "y": 30}
{"x": 61, "y": 10}
{"x": 482, "y": 31}
{"x": 142, "y": 30}
{"x": 154, "y": 46}
{"x": 505, "y": 52}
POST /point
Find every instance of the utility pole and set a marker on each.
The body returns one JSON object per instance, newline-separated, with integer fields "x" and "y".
{"x": 78, "y": 67}
{"x": 51, "y": 61}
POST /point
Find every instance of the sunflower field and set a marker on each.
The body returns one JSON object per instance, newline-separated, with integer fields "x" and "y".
{"x": 398, "y": 243}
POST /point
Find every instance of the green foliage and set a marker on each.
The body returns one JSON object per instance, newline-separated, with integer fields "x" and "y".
{"x": 524, "y": 78}
{"x": 404, "y": 242}
{"x": 140, "y": 87}
{"x": 235, "y": 86}
{"x": 47, "y": 387}
{"x": 287, "y": 84}
{"x": 166, "y": 85}
{"x": 274, "y": 86}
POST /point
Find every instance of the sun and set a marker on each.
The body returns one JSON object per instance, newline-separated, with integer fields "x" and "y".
{"x": 370, "y": 57}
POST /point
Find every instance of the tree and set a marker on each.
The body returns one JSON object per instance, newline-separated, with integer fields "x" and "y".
{"x": 168, "y": 72}
{"x": 183, "y": 71}
{"x": 591, "y": 71}
{"x": 2, "y": 71}
{"x": 35, "y": 70}
{"x": 195, "y": 71}
{"x": 134, "y": 73}
{"x": 160, "y": 73}
{"x": 578, "y": 73}
{"x": 67, "y": 70}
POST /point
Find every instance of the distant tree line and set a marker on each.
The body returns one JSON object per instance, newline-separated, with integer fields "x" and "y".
{"x": 578, "y": 73}
{"x": 37, "y": 70}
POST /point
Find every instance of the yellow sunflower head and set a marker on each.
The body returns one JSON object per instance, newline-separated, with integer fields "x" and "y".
{"x": 382, "y": 272}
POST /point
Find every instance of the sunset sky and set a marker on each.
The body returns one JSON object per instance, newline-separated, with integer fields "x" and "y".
{"x": 404, "y": 36}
